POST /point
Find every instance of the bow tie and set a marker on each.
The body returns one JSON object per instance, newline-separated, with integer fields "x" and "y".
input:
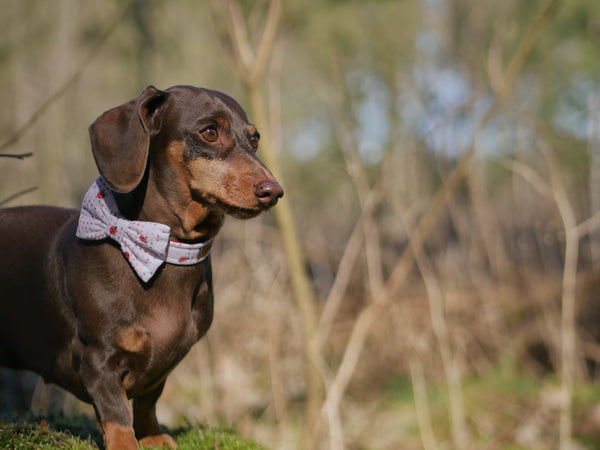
{"x": 146, "y": 245}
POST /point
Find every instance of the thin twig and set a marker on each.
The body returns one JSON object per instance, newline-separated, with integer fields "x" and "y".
{"x": 18, "y": 194}
{"x": 589, "y": 225}
{"x": 529, "y": 175}
{"x": 239, "y": 36}
{"x": 567, "y": 329}
{"x": 16, "y": 155}
{"x": 519, "y": 57}
{"x": 267, "y": 40}
{"x": 17, "y": 135}
{"x": 558, "y": 193}
{"x": 419, "y": 387}
{"x": 344, "y": 269}
{"x": 341, "y": 280}
{"x": 439, "y": 324}
{"x": 253, "y": 63}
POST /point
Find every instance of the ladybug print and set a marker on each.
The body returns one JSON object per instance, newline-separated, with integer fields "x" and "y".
{"x": 100, "y": 218}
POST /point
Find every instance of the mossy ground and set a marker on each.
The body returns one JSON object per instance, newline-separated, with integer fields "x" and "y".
{"x": 59, "y": 431}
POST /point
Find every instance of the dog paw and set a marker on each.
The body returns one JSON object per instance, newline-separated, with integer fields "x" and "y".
{"x": 161, "y": 440}
{"x": 119, "y": 437}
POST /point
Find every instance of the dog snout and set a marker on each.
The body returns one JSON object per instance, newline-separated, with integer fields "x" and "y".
{"x": 268, "y": 192}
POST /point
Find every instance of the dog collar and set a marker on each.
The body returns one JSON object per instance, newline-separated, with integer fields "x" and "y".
{"x": 146, "y": 245}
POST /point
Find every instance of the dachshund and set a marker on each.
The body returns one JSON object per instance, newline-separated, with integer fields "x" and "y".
{"x": 105, "y": 301}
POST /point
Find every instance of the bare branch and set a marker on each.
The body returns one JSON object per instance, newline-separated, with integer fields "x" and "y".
{"x": 253, "y": 62}
{"x": 419, "y": 387}
{"x": 344, "y": 270}
{"x": 437, "y": 313}
{"x": 16, "y": 155}
{"x": 239, "y": 36}
{"x": 529, "y": 175}
{"x": 17, "y": 135}
{"x": 253, "y": 68}
{"x": 589, "y": 225}
{"x": 267, "y": 40}
{"x": 515, "y": 66}
{"x": 567, "y": 329}
{"x": 14, "y": 196}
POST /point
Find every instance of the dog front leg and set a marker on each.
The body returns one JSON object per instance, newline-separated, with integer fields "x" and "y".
{"x": 145, "y": 423}
{"x": 110, "y": 404}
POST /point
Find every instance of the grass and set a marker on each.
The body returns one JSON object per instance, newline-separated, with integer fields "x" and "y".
{"x": 205, "y": 438}
{"x": 506, "y": 408}
{"x": 59, "y": 431}
{"x": 26, "y": 436}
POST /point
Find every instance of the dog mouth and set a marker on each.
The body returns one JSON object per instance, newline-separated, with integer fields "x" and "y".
{"x": 239, "y": 212}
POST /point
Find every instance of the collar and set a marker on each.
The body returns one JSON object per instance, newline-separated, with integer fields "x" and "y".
{"x": 146, "y": 245}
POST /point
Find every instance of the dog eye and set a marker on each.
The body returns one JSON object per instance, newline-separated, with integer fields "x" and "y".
{"x": 209, "y": 134}
{"x": 254, "y": 140}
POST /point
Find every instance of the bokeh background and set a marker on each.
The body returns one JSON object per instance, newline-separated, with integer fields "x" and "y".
{"x": 430, "y": 279}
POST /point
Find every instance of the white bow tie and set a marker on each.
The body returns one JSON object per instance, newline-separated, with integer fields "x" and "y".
{"x": 146, "y": 245}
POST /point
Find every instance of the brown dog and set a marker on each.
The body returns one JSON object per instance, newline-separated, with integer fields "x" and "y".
{"x": 82, "y": 311}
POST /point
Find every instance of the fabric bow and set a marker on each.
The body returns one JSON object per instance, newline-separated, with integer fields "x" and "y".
{"x": 145, "y": 245}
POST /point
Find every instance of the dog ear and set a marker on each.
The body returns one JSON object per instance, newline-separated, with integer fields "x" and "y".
{"x": 121, "y": 137}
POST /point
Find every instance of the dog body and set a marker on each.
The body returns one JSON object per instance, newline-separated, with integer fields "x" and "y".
{"x": 74, "y": 311}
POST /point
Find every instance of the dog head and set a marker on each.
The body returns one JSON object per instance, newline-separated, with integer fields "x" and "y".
{"x": 191, "y": 151}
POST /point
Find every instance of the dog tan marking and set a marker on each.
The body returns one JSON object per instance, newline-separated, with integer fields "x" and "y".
{"x": 223, "y": 122}
{"x": 119, "y": 437}
{"x": 190, "y": 212}
{"x": 175, "y": 153}
{"x": 228, "y": 182}
{"x": 134, "y": 339}
{"x": 158, "y": 441}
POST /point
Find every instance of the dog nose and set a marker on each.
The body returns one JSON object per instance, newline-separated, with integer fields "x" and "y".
{"x": 268, "y": 192}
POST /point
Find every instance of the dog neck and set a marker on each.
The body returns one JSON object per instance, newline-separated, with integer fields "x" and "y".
{"x": 189, "y": 220}
{"x": 145, "y": 244}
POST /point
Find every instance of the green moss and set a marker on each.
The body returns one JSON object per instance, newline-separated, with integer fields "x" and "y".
{"x": 60, "y": 431}
{"x": 27, "y": 436}
{"x": 206, "y": 438}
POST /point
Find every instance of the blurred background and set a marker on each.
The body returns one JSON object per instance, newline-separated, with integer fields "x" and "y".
{"x": 430, "y": 279}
